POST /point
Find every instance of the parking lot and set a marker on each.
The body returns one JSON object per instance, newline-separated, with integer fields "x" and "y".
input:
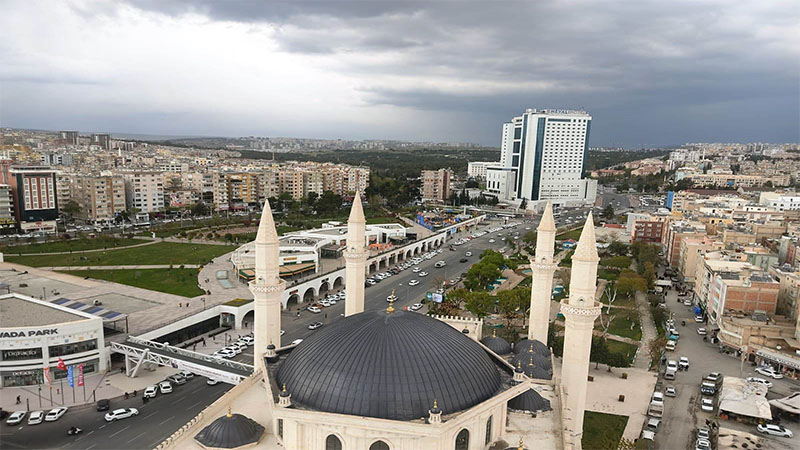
{"x": 682, "y": 413}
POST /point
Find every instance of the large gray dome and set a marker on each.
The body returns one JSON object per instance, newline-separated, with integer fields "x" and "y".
{"x": 390, "y": 366}
{"x": 230, "y": 431}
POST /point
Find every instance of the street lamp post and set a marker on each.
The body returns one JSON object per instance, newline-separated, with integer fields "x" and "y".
{"x": 204, "y": 303}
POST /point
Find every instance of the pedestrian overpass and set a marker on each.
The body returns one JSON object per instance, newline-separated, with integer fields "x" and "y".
{"x": 141, "y": 353}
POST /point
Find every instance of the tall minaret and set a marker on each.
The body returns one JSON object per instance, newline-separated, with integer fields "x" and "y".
{"x": 267, "y": 287}
{"x": 356, "y": 259}
{"x": 542, "y": 270}
{"x": 580, "y": 312}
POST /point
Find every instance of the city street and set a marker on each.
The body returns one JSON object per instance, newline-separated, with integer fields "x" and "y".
{"x": 682, "y": 414}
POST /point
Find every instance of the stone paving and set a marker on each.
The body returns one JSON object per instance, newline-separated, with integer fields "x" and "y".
{"x": 649, "y": 332}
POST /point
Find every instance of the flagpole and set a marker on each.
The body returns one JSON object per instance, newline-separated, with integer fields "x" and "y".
{"x": 62, "y": 392}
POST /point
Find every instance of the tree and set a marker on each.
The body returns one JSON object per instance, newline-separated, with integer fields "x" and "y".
{"x": 71, "y": 207}
{"x": 608, "y": 212}
{"x": 329, "y": 202}
{"x": 200, "y": 209}
{"x": 629, "y": 282}
{"x": 479, "y": 303}
{"x": 616, "y": 359}
{"x": 620, "y": 262}
{"x": 480, "y": 275}
{"x": 311, "y": 199}
{"x": 599, "y": 351}
{"x": 510, "y": 303}
{"x": 618, "y": 248}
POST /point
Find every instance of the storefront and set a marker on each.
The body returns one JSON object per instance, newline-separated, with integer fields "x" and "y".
{"x": 786, "y": 364}
{"x": 35, "y": 335}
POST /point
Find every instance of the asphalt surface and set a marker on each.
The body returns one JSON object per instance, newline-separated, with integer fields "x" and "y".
{"x": 157, "y": 419}
{"x": 161, "y": 416}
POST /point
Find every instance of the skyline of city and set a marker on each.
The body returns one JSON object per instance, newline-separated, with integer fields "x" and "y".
{"x": 440, "y": 72}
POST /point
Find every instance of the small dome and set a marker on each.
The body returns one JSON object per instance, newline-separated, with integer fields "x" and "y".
{"x": 230, "y": 431}
{"x": 497, "y": 344}
{"x": 538, "y": 347}
{"x": 271, "y": 346}
{"x": 390, "y": 366}
{"x": 538, "y": 360}
{"x": 530, "y": 401}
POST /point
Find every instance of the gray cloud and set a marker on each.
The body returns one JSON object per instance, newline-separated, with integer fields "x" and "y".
{"x": 650, "y": 72}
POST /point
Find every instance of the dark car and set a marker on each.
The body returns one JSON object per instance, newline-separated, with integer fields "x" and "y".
{"x": 462, "y": 260}
{"x": 103, "y": 404}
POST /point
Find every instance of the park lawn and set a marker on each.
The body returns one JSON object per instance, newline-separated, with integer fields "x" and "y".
{"x": 621, "y": 326}
{"x": 602, "y": 431}
{"x": 71, "y": 245}
{"x": 159, "y": 253}
{"x": 181, "y": 282}
{"x": 626, "y": 349}
{"x": 572, "y": 234}
{"x": 607, "y": 274}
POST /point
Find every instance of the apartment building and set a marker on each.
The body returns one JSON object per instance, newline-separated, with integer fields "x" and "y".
{"x": 436, "y": 185}
{"x": 692, "y": 250}
{"x": 243, "y": 189}
{"x": 33, "y": 192}
{"x": 101, "y": 198}
{"x": 144, "y": 191}
{"x": 7, "y": 221}
{"x": 674, "y": 233}
{"x": 292, "y": 182}
{"x": 477, "y": 169}
{"x": 789, "y": 293}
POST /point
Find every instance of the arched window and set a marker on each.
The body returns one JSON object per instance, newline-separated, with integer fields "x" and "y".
{"x": 333, "y": 443}
{"x": 462, "y": 440}
{"x": 379, "y": 445}
{"x": 488, "y": 430}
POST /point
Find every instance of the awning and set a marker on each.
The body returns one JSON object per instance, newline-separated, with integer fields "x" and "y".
{"x": 779, "y": 358}
{"x": 744, "y": 399}
{"x": 293, "y": 269}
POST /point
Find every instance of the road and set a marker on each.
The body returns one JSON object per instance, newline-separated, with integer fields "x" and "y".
{"x": 157, "y": 419}
{"x": 682, "y": 414}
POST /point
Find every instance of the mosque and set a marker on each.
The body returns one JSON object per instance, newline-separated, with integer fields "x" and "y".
{"x": 390, "y": 379}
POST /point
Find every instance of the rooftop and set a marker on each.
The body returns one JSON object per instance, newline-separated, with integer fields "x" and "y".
{"x": 21, "y": 311}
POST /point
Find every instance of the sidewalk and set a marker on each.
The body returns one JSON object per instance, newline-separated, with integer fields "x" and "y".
{"x": 96, "y": 386}
{"x": 649, "y": 332}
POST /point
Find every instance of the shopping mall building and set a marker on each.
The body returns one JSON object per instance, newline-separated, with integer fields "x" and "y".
{"x": 34, "y": 334}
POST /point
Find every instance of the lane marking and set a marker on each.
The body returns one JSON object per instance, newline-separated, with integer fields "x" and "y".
{"x": 102, "y": 426}
{"x": 118, "y": 432}
{"x": 90, "y": 447}
{"x": 195, "y": 404}
{"x": 166, "y": 420}
{"x": 137, "y": 436}
{"x": 152, "y": 413}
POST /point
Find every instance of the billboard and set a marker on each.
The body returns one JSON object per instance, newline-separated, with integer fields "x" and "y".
{"x": 436, "y": 298}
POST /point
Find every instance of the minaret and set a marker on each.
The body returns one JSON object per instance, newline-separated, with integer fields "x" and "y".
{"x": 267, "y": 287}
{"x": 356, "y": 259}
{"x": 542, "y": 270}
{"x": 580, "y": 312}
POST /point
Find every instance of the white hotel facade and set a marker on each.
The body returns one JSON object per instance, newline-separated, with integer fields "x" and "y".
{"x": 543, "y": 157}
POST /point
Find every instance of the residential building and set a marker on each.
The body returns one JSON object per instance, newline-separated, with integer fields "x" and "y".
{"x": 144, "y": 191}
{"x": 33, "y": 190}
{"x": 436, "y": 185}
{"x": 69, "y": 137}
{"x": 242, "y": 189}
{"x": 674, "y": 233}
{"x": 548, "y": 150}
{"x": 102, "y": 139}
{"x": 63, "y": 188}
{"x": 477, "y": 169}
{"x": 789, "y": 293}
{"x": 6, "y": 208}
{"x": 692, "y": 250}
{"x": 101, "y": 198}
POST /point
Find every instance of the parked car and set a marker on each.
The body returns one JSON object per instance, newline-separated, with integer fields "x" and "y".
{"x": 774, "y": 430}
{"x": 769, "y": 372}
{"x": 212, "y": 382}
{"x": 672, "y": 365}
{"x": 701, "y": 331}
{"x": 296, "y": 341}
{"x": 16, "y": 417}
{"x": 423, "y": 274}
{"x": 698, "y": 319}
{"x": 36, "y": 417}
{"x": 178, "y": 378}
{"x": 683, "y": 363}
{"x": 702, "y": 444}
{"x": 706, "y": 404}
{"x": 314, "y": 325}
{"x": 670, "y": 391}
{"x": 55, "y": 414}
{"x": 703, "y": 433}
{"x": 713, "y": 377}
{"x": 122, "y": 413}
{"x": 150, "y": 392}
{"x": 708, "y": 388}
{"x": 468, "y": 254}
{"x": 761, "y": 381}
{"x": 103, "y": 404}
{"x": 658, "y": 397}
{"x": 413, "y": 282}
{"x": 314, "y": 309}
{"x": 165, "y": 387}
{"x": 416, "y": 306}
{"x": 463, "y": 260}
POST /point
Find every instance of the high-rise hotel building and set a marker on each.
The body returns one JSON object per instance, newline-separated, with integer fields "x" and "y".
{"x": 543, "y": 157}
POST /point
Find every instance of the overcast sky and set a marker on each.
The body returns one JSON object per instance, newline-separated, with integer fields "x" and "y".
{"x": 650, "y": 73}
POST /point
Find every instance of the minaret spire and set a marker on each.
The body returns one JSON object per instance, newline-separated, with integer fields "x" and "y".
{"x": 355, "y": 256}
{"x": 580, "y": 312}
{"x": 267, "y": 287}
{"x": 542, "y": 270}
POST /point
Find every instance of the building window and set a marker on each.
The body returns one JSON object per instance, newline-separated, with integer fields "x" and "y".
{"x": 69, "y": 349}
{"x": 333, "y": 443}
{"x": 488, "y": 431}
{"x": 280, "y": 428}
{"x": 462, "y": 440}
{"x": 379, "y": 445}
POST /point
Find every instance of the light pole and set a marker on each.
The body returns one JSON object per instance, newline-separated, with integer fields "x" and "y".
{"x": 204, "y": 302}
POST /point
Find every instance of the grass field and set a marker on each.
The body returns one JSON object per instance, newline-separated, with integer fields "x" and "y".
{"x": 71, "y": 245}
{"x": 175, "y": 281}
{"x": 159, "y": 253}
{"x": 621, "y": 325}
{"x": 602, "y": 431}
{"x": 622, "y": 347}
{"x": 572, "y": 234}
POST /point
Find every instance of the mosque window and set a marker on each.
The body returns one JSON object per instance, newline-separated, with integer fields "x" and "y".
{"x": 333, "y": 443}
{"x": 488, "y": 430}
{"x": 280, "y": 428}
{"x": 462, "y": 440}
{"x": 379, "y": 445}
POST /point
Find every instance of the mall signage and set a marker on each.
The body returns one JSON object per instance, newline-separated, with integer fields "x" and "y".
{"x": 29, "y": 333}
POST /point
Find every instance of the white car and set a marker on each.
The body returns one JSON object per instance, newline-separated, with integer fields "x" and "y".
{"x": 225, "y": 353}
{"x": 296, "y": 341}
{"x": 491, "y": 241}
{"x": 769, "y": 372}
{"x": 212, "y": 382}
{"x": 423, "y": 274}
{"x": 684, "y": 362}
{"x": 416, "y": 269}
{"x": 658, "y": 398}
{"x": 122, "y": 413}
{"x": 314, "y": 309}
{"x": 165, "y": 387}
{"x": 55, "y": 414}
{"x": 707, "y": 405}
{"x": 416, "y": 306}
{"x": 701, "y": 331}
{"x": 250, "y": 341}
{"x": 150, "y": 392}
{"x": 413, "y": 282}
{"x": 188, "y": 375}
{"x": 702, "y": 444}
{"x": 774, "y": 430}
{"x": 16, "y": 417}
{"x": 672, "y": 365}
{"x": 314, "y": 325}
{"x": 761, "y": 381}
{"x": 325, "y": 303}
{"x": 36, "y": 418}
{"x": 468, "y": 254}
